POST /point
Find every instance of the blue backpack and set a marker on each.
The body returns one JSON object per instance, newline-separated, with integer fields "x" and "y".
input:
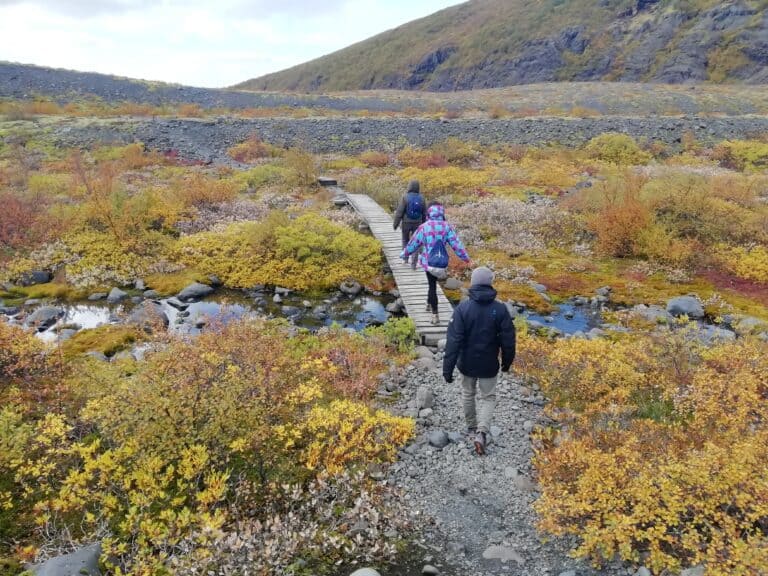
{"x": 415, "y": 207}
{"x": 438, "y": 255}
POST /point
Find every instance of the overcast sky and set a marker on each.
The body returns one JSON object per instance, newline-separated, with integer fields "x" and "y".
{"x": 197, "y": 42}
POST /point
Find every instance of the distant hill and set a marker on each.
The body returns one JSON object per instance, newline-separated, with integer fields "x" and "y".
{"x": 492, "y": 43}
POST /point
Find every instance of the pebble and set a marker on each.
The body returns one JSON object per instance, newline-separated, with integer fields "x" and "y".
{"x": 430, "y": 570}
{"x": 438, "y": 439}
{"x": 503, "y": 553}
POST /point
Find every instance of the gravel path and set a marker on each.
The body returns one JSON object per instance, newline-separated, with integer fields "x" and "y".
{"x": 476, "y": 514}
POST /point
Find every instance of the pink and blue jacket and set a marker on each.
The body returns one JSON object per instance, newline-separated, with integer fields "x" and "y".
{"x": 434, "y": 229}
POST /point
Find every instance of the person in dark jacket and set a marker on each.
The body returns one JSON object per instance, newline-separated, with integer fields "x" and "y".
{"x": 480, "y": 329}
{"x": 410, "y": 222}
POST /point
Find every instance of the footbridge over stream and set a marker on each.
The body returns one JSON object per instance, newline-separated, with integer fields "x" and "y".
{"x": 412, "y": 284}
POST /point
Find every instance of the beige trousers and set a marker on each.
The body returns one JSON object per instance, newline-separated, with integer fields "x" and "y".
{"x": 479, "y": 415}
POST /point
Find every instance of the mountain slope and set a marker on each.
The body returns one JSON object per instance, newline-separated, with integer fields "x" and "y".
{"x": 491, "y": 43}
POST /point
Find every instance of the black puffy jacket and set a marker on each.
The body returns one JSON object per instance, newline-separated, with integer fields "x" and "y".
{"x": 480, "y": 328}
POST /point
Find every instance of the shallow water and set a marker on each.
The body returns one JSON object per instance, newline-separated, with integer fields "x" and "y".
{"x": 225, "y": 306}
{"x": 569, "y": 319}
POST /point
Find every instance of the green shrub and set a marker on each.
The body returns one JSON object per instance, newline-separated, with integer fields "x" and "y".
{"x": 617, "y": 149}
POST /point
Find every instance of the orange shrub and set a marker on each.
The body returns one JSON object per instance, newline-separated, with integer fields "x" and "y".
{"x": 374, "y": 159}
{"x": 190, "y": 111}
{"x": 422, "y": 159}
{"x": 251, "y": 150}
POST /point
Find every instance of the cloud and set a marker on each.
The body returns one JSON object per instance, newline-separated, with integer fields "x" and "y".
{"x": 194, "y": 42}
{"x": 236, "y": 8}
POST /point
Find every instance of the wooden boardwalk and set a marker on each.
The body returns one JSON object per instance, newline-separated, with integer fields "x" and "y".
{"x": 412, "y": 284}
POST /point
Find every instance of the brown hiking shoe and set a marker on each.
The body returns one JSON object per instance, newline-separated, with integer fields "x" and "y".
{"x": 480, "y": 443}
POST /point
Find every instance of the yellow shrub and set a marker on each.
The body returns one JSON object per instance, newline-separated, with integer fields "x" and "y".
{"x": 747, "y": 155}
{"x": 663, "y": 453}
{"x": 345, "y": 432}
{"x": 617, "y": 149}
{"x": 448, "y": 180}
{"x": 750, "y": 264}
{"x": 303, "y": 254}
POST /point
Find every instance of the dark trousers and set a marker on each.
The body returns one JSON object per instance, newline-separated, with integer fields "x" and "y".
{"x": 432, "y": 292}
{"x": 408, "y": 229}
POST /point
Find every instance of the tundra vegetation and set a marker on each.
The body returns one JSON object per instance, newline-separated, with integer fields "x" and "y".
{"x": 210, "y": 452}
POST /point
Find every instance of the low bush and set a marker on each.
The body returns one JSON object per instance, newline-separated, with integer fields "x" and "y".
{"x": 658, "y": 455}
{"x": 374, "y": 159}
{"x": 308, "y": 253}
{"x": 421, "y": 159}
{"x": 618, "y": 149}
{"x": 746, "y": 155}
{"x": 252, "y": 150}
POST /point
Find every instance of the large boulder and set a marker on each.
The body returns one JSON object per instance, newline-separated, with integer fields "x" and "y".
{"x": 44, "y": 317}
{"x": 686, "y": 306}
{"x": 750, "y": 325}
{"x": 116, "y": 295}
{"x": 148, "y": 316}
{"x": 83, "y": 562}
{"x": 351, "y": 288}
{"x": 35, "y": 277}
{"x": 194, "y": 291}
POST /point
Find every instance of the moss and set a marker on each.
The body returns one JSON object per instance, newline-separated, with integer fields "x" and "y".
{"x": 54, "y": 290}
{"x": 169, "y": 284}
{"x": 109, "y": 340}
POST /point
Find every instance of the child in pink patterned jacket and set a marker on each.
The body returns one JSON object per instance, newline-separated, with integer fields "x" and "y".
{"x": 433, "y": 230}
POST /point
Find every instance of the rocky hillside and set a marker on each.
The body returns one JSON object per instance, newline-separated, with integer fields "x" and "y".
{"x": 492, "y": 43}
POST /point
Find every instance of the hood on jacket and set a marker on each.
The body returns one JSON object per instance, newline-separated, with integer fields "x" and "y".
{"x": 482, "y": 294}
{"x": 436, "y": 212}
{"x": 413, "y": 186}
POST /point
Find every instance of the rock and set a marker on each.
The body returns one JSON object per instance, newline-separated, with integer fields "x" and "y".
{"x": 65, "y": 334}
{"x": 351, "y": 288}
{"x": 116, "y": 295}
{"x": 83, "y": 562}
{"x": 523, "y": 483}
{"x": 215, "y": 281}
{"x": 750, "y": 325}
{"x": 605, "y": 291}
{"x": 148, "y": 316}
{"x": 152, "y": 294}
{"x": 455, "y": 437}
{"x": 194, "y": 291}
{"x": 424, "y": 364}
{"x": 277, "y": 299}
{"x": 35, "y": 277}
{"x": 510, "y": 472}
{"x": 643, "y": 571}
{"x": 453, "y": 284}
{"x": 10, "y": 310}
{"x": 596, "y": 333}
{"x": 653, "y": 313}
{"x": 140, "y": 285}
{"x": 568, "y": 573}
{"x": 290, "y": 311}
{"x": 95, "y": 297}
{"x": 32, "y": 302}
{"x": 97, "y": 356}
{"x": 695, "y": 571}
{"x": 438, "y": 439}
{"x": 540, "y": 288}
{"x": 425, "y": 398}
{"x": 503, "y": 553}
{"x": 44, "y": 317}
{"x": 430, "y": 570}
{"x": 365, "y": 572}
{"x": 426, "y": 413}
{"x": 424, "y": 352}
{"x": 306, "y": 304}
{"x": 528, "y": 426}
{"x": 686, "y": 306}
{"x": 714, "y": 335}
{"x": 122, "y": 355}
{"x": 282, "y": 291}
{"x": 176, "y": 303}
{"x": 495, "y": 431}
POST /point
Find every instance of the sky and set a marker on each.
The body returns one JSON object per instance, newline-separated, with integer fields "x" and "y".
{"x": 210, "y": 43}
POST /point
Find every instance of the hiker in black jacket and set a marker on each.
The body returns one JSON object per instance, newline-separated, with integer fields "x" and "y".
{"x": 481, "y": 327}
{"x": 412, "y": 213}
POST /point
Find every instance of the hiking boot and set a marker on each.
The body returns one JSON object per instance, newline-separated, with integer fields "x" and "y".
{"x": 480, "y": 443}
{"x": 413, "y": 263}
{"x": 435, "y": 319}
{"x": 428, "y": 308}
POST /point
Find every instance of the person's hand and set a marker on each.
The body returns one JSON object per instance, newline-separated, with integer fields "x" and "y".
{"x": 448, "y": 378}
